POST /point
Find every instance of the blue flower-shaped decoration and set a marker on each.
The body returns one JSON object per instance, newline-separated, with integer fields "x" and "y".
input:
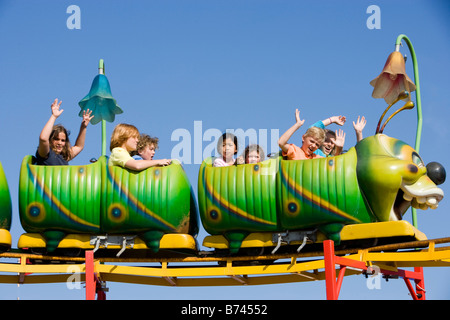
{"x": 100, "y": 101}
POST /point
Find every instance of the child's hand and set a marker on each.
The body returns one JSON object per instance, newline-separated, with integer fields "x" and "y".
{"x": 164, "y": 162}
{"x": 56, "y": 112}
{"x": 339, "y": 120}
{"x": 340, "y": 138}
{"x": 297, "y": 118}
{"x": 86, "y": 117}
{"x": 360, "y": 124}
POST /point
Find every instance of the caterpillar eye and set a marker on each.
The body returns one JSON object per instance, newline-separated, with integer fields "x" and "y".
{"x": 417, "y": 160}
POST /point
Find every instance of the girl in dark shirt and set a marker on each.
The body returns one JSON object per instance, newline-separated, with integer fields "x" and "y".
{"x": 54, "y": 146}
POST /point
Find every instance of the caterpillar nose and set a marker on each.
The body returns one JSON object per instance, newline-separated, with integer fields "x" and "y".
{"x": 436, "y": 172}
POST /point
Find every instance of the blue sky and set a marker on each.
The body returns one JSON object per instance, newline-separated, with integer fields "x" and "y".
{"x": 244, "y": 64}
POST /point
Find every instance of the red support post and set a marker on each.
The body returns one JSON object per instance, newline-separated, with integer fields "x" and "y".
{"x": 330, "y": 270}
{"x": 101, "y": 295}
{"x": 331, "y": 260}
{"x": 89, "y": 275}
{"x": 410, "y": 288}
{"x": 420, "y": 283}
{"x": 340, "y": 279}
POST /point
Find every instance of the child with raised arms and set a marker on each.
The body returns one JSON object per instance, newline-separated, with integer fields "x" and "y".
{"x": 54, "y": 145}
{"x": 311, "y": 141}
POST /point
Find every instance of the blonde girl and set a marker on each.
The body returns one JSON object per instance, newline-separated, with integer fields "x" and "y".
{"x": 124, "y": 140}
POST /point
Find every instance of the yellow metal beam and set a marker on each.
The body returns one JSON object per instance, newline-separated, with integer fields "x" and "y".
{"x": 210, "y": 271}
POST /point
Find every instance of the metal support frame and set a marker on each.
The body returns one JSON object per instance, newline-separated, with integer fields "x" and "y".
{"x": 333, "y": 285}
{"x": 328, "y": 264}
{"x": 417, "y": 275}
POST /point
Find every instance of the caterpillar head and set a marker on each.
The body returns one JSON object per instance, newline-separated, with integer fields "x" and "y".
{"x": 392, "y": 177}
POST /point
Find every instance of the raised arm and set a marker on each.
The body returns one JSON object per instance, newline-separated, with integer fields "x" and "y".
{"x": 44, "y": 137}
{"x": 283, "y": 141}
{"x": 359, "y": 127}
{"x": 79, "y": 143}
{"x": 339, "y": 120}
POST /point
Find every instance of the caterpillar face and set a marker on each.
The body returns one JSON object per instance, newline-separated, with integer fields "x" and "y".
{"x": 393, "y": 177}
